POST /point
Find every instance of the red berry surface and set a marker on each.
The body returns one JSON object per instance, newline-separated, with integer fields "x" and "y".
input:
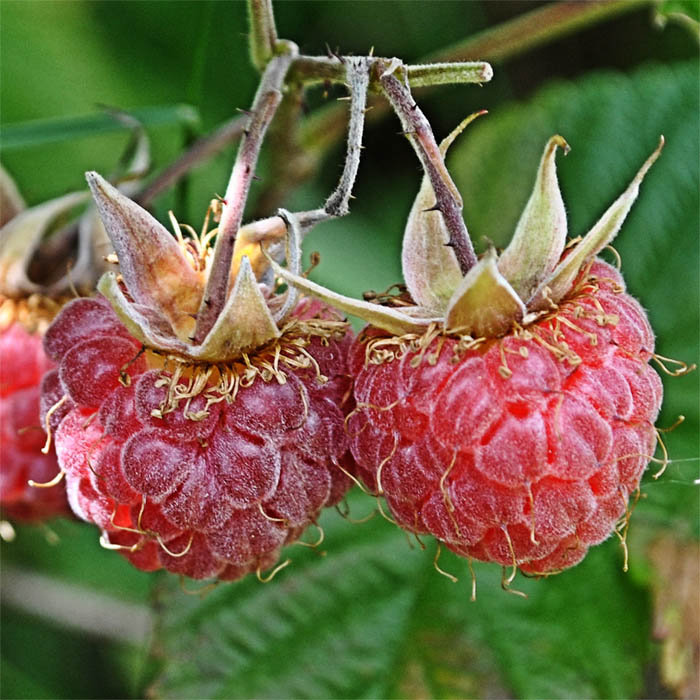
{"x": 22, "y": 364}
{"x": 214, "y": 487}
{"x": 522, "y": 450}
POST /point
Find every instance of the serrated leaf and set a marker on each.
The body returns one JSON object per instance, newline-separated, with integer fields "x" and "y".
{"x": 393, "y": 627}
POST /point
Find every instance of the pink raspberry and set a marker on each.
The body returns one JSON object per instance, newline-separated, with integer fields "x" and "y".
{"x": 521, "y": 450}
{"x": 22, "y": 364}
{"x": 504, "y": 403}
{"x": 207, "y": 482}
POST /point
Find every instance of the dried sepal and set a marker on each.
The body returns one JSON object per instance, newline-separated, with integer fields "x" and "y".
{"x": 430, "y": 267}
{"x": 244, "y": 323}
{"x": 559, "y": 283}
{"x": 21, "y": 237}
{"x": 155, "y": 270}
{"x": 540, "y": 235}
{"x": 484, "y": 304}
{"x": 141, "y": 322}
{"x": 386, "y": 318}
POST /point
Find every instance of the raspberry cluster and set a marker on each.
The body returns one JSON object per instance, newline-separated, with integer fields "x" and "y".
{"x": 521, "y": 450}
{"x": 203, "y": 473}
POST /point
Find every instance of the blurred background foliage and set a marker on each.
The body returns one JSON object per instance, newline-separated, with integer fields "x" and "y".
{"x": 373, "y": 618}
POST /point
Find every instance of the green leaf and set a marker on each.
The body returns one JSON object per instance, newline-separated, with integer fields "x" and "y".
{"x": 580, "y": 634}
{"x": 372, "y": 618}
{"x": 612, "y": 123}
{"x": 40, "y": 132}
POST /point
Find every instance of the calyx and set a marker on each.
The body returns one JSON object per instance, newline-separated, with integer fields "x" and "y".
{"x": 529, "y": 278}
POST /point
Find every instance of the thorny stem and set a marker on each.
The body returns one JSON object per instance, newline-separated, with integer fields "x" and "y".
{"x": 527, "y": 31}
{"x": 265, "y": 103}
{"x": 358, "y": 76}
{"x": 288, "y": 161}
{"x": 263, "y": 33}
{"x": 200, "y": 151}
{"x": 420, "y": 134}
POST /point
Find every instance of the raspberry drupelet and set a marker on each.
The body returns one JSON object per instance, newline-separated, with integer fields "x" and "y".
{"x": 22, "y": 365}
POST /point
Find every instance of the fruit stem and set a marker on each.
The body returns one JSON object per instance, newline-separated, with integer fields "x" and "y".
{"x": 337, "y": 204}
{"x": 265, "y": 103}
{"x": 420, "y": 134}
{"x": 358, "y": 79}
{"x": 263, "y": 33}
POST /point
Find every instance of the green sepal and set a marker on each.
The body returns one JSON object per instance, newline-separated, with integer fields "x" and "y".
{"x": 540, "y": 235}
{"x": 561, "y": 280}
{"x": 386, "y": 318}
{"x": 141, "y": 322}
{"x": 484, "y": 304}
{"x": 11, "y": 201}
{"x": 244, "y": 323}
{"x": 430, "y": 267}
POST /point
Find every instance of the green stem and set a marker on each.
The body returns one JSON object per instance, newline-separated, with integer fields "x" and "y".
{"x": 535, "y": 28}
{"x": 263, "y": 33}
{"x": 496, "y": 44}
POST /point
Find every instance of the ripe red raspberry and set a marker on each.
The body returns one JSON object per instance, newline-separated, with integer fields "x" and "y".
{"x": 504, "y": 404}
{"x": 214, "y": 485}
{"x": 518, "y": 450}
{"x": 198, "y": 414}
{"x": 22, "y": 365}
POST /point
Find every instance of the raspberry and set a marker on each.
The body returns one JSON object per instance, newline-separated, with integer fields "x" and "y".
{"x": 504, "y": 404}
{"x": 516, "y": 450}
{"x": 211, "y": 488}
{"x": 22, "y": 364}
{"x": 204, "y": 457}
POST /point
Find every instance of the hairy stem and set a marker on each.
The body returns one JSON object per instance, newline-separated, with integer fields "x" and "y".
{"x": 319, "y": 69}
{"x": 497, "y": 44}
{"x": 263, "y": 33}
{"x": 358, "y": 79}
{"x": 420, "y": 134}
{"x": 265, "y": 104}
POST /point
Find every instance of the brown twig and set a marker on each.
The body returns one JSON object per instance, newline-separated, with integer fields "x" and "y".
{"x": 420, "y": 134}
{"x": 265, "y": 103}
